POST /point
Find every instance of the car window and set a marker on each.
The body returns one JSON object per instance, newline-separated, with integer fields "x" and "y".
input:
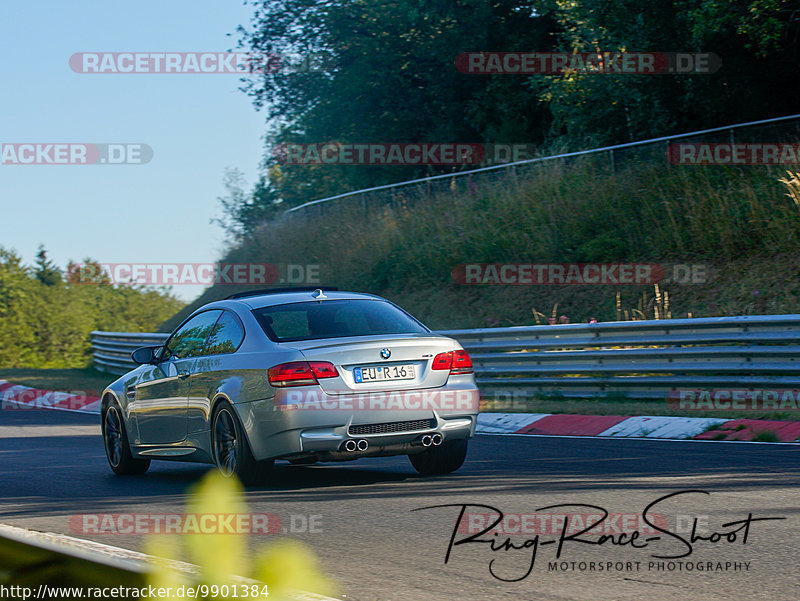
{"x": 225, "y": 336}
{"x": 291, "y": 323}
{"x": 188, "y": 340}
{"x": 334, "y": 319}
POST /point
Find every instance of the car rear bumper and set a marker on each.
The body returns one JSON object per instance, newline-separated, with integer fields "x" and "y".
{"x": 296, "y": 425}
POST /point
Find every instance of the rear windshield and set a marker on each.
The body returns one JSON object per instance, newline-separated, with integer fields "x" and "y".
{"x": 335, "y": 319}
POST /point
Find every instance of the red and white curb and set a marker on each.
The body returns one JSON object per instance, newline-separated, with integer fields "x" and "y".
{"x": 620, "y": 426}
{"x": 16, "y": 396}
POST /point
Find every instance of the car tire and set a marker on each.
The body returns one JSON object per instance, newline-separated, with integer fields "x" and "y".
{"x": 232, "y": 454}
{"x": 115, "y": 440}
{"x": 446, "y": 458}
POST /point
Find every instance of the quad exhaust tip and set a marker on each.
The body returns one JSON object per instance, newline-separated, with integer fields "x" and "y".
{"x": 355, "y": 445}
{"x": 352, "y": 445}
{"x": 431, "y": 440}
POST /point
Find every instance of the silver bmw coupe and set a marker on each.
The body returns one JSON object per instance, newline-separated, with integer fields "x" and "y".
{"x": 295, "y": 375}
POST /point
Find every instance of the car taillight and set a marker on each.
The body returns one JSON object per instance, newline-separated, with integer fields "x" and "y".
{"x": 323, "y": 369}
{"x": 300, "y": 373}
{"x": 462, "y": 364}
{"x": 458, "y": 362}
{"x": 443, "y": 361}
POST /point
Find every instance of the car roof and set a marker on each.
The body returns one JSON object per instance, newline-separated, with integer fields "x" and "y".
{"x": 281, "y": 298}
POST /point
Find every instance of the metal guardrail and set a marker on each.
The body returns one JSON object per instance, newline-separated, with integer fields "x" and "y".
{"x": 640, "y": 359}
{"x": 112, "y": 350}
{"x": 616, "y": 154}
{"x": 45, "y": 565}
{"x": 32, "y": 560}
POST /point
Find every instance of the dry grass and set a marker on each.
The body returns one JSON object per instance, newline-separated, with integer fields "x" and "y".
{"x": 739, "y": 220}
{"x": 792, "y": 183}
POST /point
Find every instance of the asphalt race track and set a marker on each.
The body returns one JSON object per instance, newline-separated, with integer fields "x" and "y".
{"x": 52, "y": 467}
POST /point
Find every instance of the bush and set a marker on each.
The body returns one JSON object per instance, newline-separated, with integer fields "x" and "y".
{"x": 47, "y": 321}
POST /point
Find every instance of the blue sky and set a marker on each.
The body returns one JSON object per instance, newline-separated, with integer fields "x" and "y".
{"x": 196, "y": 124}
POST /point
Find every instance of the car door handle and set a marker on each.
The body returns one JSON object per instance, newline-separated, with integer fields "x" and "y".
{"x": 183, "y": 374}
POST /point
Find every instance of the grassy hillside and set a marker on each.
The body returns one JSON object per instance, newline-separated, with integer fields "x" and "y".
{"x": 737, "y": 221}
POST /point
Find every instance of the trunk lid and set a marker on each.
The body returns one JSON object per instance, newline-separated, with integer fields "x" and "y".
{"x": 360, "y": 358}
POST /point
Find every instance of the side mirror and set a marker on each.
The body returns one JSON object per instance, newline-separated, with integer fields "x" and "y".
{"x": 146, "y": 354}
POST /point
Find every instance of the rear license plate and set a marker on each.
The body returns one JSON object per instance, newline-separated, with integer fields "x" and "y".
{"x": 383, "y": 373}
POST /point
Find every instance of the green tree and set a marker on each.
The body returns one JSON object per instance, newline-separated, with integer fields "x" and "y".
{"x": 16, "y": 290}
{"x": 389, "y": 77}
{"x": 756, "y": 40}
{"x": 242, "y": 209}
{"x": 47, "y": 325}
{"x": 46, "y": 271}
